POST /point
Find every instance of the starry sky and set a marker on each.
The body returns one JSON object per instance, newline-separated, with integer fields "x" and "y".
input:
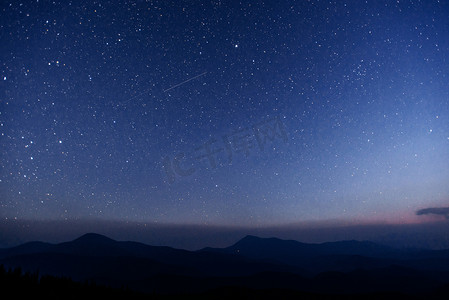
{"x": 248, "y": 113}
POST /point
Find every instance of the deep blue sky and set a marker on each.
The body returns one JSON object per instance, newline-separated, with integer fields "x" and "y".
{"x": 310, "y": 111}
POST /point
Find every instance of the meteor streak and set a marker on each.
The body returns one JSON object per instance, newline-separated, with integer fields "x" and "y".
{"x": 175, "y": 86}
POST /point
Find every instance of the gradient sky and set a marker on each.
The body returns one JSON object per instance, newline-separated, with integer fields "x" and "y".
{"x": 224, "y": 113}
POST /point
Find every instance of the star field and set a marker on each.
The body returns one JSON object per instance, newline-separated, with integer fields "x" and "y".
{"x": 223, "y": 112}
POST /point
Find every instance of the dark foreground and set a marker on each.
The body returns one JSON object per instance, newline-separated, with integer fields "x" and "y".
{"x": 96, "y": 266}
{"x": 15, "y": 282}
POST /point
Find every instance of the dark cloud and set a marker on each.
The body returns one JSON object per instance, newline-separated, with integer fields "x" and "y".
{"x": 444, "y": 211}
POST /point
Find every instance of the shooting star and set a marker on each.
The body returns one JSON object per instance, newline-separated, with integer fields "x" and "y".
{"x": 175, "y": 86}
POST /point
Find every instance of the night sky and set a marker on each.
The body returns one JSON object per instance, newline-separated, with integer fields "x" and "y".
{"x": 234, "y": 113}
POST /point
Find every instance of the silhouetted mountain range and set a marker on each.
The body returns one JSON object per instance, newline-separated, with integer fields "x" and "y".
{"x": 253, "y": 262}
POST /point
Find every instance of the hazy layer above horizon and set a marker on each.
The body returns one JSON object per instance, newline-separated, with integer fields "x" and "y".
{"x": 193, "y": 237}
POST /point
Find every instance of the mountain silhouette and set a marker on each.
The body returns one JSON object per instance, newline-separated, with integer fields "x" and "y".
{"x": 273, "y": 247}
{"x": 27, "y": 248}
{"x": 252, "y": 262}
{"x": 97, "y": 253}
{"x": 313, "y": 258}
{"x": 95, "y": 238}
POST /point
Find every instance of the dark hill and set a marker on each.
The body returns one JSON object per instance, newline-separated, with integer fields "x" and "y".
{"x": 253, "y": 262}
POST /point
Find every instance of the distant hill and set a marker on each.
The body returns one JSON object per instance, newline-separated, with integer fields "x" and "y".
{"x": 334, "y": 256}
{"x": 290, "y": 251}
{"x": 253, "y": 262}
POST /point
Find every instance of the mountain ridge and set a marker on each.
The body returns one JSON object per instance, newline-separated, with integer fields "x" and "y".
{"x": 252, "y": 261}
